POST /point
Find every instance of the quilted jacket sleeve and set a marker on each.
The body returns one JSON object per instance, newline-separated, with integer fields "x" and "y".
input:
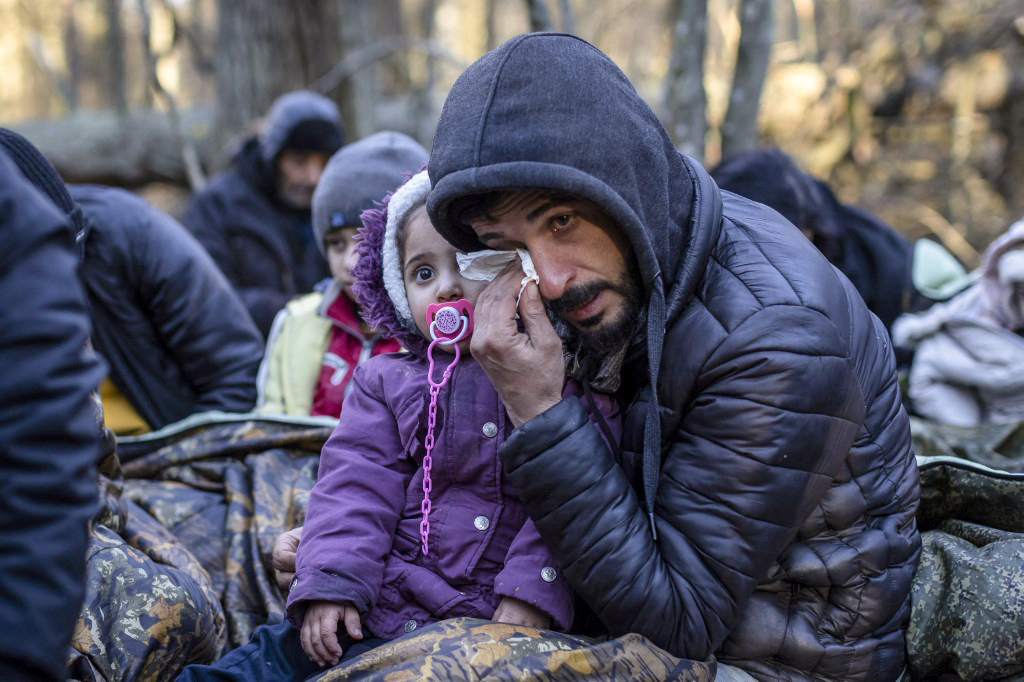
{"x": 770, "y": 418}
{"x": 355, "y": 505}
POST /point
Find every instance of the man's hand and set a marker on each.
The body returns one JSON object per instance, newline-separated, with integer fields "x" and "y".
{"x": 319, "y": 634}
{"x": 526, "y": 367}
{"x": 511, "y": 610}
{"x": 282, "y": 557}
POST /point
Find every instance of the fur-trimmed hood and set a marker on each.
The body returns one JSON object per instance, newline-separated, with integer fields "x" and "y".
{"x": 378, "y": 284}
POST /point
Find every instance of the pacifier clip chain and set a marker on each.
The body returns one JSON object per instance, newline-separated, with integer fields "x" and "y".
{"x": 449, "y": 324}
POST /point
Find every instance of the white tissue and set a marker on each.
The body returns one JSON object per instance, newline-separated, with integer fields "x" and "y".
{"x": 485, "y": 266}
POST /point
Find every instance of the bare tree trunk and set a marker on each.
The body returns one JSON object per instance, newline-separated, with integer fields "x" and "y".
{"x": 540, "y": 19}
{"x": 266, "y": 48}
{"x": 72, "y": 55}
{"x": 491, "y": 20}
{"x": 358, "y": 92}
{"x": 568, "y": 20}
{"x": 115, "y": 56}
{"x": 425, "y": 121}
{"x": 739, "y": 131}
{"x": 684, "y": 97}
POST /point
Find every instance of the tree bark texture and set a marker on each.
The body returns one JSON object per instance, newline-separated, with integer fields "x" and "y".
{"x": 115, "y": 56}
{"x": 266, "y": 48}
{"x": 358, "y": 93}
{"x": 739, "y": 131}
{"x": 684, "y": 99}
{"x": 540, "y": 18}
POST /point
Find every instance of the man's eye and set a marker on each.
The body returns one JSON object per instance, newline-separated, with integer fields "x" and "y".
{"x": 563, "y": 221}
{"x": 423, "y": 274}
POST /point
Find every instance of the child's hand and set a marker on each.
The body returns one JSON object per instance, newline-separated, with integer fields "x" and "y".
{"x": 518, "y": 612}
{"x": 319, "y": 634}
{"x": 283, "y": 557}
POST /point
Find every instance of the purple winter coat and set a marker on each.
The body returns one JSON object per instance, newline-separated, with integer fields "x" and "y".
{"x": 361, "y": 539}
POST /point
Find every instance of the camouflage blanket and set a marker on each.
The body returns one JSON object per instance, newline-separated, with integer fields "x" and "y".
{"x": 967, "y": 611}
{"x": 223, "y": 489}
{"x": 226, "y": 488}
{"x": 997, "y": 446}
{"x": 470, "y": 649}
{"x": 149, "y": 606}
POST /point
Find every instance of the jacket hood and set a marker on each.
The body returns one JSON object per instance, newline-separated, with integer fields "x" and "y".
{"x": 301, "y": 108}
{"x": 378, "y": 284}
{"x": 359, "y": 176}
{"x": 550, "y": 111}
{"x": 986, "y": 302}
{"x": 38, "y": 170}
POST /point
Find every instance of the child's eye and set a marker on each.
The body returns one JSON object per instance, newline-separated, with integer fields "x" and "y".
{"x": 423, "y": 274}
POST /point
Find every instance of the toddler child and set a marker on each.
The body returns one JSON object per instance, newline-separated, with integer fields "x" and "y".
{"x": 411, "y": 520}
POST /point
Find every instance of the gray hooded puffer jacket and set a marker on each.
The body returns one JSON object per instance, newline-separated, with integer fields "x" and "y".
{"x": 776, "y": 460}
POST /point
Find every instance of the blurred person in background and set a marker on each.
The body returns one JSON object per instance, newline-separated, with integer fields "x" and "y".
{"x": 319, "y": 339}
{"x": 968, "y": 366}
{"x": 174, "y": 332}
{"x": 870, "y": 253}
{"x": 254, "y": 219}
{"x": 49, "y": 440}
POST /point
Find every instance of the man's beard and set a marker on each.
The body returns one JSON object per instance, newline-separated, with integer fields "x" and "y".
{"x": 597, "y": 339}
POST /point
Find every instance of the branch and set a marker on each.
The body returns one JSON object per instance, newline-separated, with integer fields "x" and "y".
{"x": 189, "y": 155}
{"x": 948, "y": 234}
{"x": 363, "y": 57}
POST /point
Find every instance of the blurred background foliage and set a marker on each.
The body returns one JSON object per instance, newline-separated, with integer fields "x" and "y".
{"x": 911, "y": 109}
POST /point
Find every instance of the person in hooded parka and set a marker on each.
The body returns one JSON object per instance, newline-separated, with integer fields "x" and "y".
{"x": 968, "y": 366}
{"x": 254, "y": 218}
{"x": 761, "y": 509}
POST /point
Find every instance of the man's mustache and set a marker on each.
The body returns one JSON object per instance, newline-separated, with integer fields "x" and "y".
{"x": 578, "y": 295}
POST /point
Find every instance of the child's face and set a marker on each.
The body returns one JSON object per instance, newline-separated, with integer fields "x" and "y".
{"x": 341, "y": 256}
{"x": 431, "y": 273}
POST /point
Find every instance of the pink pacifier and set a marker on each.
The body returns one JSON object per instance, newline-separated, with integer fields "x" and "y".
{"x": 449, "y": 324}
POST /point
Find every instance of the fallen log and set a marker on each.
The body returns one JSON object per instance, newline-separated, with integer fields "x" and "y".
{"x": 127, "y": 150}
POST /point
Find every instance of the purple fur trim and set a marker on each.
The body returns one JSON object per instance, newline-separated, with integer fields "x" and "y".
{"x": 368, "y": 286}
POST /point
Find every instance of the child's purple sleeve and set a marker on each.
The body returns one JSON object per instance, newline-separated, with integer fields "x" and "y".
{"x": 531, "y": 575}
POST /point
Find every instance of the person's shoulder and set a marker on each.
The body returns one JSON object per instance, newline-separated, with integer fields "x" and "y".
{"x": 769, "y": 263}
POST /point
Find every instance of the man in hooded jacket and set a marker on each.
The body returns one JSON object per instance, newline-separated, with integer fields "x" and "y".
{"x": 180, "y": 341}
{"x": 761, "y": 509}
{"x": 254, "y": 219}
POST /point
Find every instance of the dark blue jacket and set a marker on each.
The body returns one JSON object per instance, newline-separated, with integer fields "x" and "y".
{"x": 265, "y": 248}
{"x": 175, "y": 334}
{"x": 49, "y": 433}
{"x": 763, "y": 430}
